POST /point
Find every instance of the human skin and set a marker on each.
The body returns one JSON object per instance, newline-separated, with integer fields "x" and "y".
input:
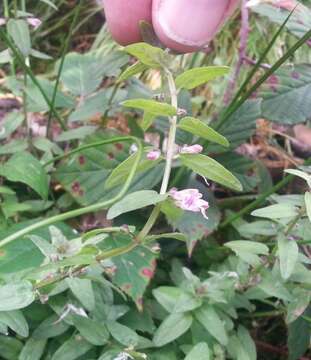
{"x": 188, "y": 25}
{"x": 123, "y": 17}
{"x": 181, "y": 25}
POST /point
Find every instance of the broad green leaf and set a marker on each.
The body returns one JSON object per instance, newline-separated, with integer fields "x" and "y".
{"x": 18, "y": 29}
{"x": 33, "y": 349}
{"x": 135, "y": 201}
{"x": 299, "y": 333}
{"x": 10, "y": 123}
{"x": 199, "y": 352}
{"x": 175, "y": 300}
{"x": 83, "y": 175}
{"x": 150, "y": 56}
{"x": 273, "y": 286}
{"x": 132, "y": 70}
{"x": 247, "y": 343}
{"x": 134, "y": 270}
{"x": 288, "y": 255}
{"x": 5, "y": 56}
{"x": 122, "y": 333}
{"x": 198, "y": 128}
{"x": 93, "y": 331}
{"x": 72, "y": 349}
{"x": 83, "y": 291}
{"x": 22, "y": 253}
{"x": 298, "y": 305}
{"x": 50, "y": 328}
{"x": 210, "y": 169}
{"x": 16, "y": 321}
{"x": 308, "y": 204}
{"x": 287, "y": 95}
{"x": 248, "y": 251}
{"x": 16, "y": 295}
{"x": 23, "y": 167}
{"x": 151, "y": 107}
{"x": 277, "y": 211}
{"x": 211, "y": 321}
{"x": 174, "y": 326}
{"x": 192, "y": 78}
{"x": 10, "y": 347}
{"x": 121, "y": 172}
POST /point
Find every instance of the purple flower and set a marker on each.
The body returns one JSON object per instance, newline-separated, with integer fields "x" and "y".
{"x": 153, "y": 155}
{"x": 190, "y": 200}
{"x": 192, "y": 149}
{"x": 34, "y": 22}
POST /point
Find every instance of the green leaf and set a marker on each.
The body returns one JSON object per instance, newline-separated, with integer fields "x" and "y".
{"x": 150, "y": 56}
{"x": 151, "y": 106}
{"x": 22, "y": 254}
{"x": 16, "y": 321}
{"x": 72, "y": 349}
{"x": 247, "y": 343}
{"x": 288, "y": 255}
{"x": 23, "y": 167}
{"x": 19, "y": 31}
{"x": 277, "y": 211}
{"x": 199, "y": 352}
{"x": 93, "y": 331}
{"x": 308, "y": 204}
{"x": 198, "y": 128}
{"x": 132, "y": 70}
{"x": 10, "y": 123}
{"x": 50, "y": 3}
{"x": 122, "y": 333}
{"x": 303, "y": 175}
{"x": 209, "y": 318}
{"x": 40, "y": 55}
{"x": 83, "y": 291}
{"x": 121, "y": 172}
{"x": 32, "y": 350}
{"x": 287, "y": 95}
{"x": 248, "y": 251}
{"x": 50, "y": 328}
{"x": 192, "y": 78}
{"x": 10, "y": 347}
{"x": 175, "y": 300}
{"x": 210, "y": 169}
{"x": 135, "y": 201}
{"x": 147, "y": 120}
{"x": 299, "y": 333}
{"x": 16, "y": 295}
{"x": 174, "y": 326}
{"x": 134, "y": 270}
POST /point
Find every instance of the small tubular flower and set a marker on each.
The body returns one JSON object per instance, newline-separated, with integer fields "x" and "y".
{"x": 190, "y": 200}
{"x": 153, "y": 155}
{"x": 123, "y": 17}
{"x": 189, "y": 25}
{"x": 191, "y": 149}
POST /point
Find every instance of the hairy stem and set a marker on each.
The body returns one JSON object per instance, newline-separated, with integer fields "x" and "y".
{"x": 169, "y": 158}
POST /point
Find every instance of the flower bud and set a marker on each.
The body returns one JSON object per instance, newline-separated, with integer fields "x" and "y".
{"x": 189, "y": 25}
{"x": 123, "y": 17}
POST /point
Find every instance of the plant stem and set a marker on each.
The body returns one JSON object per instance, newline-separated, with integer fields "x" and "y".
{"x": 60, "y": 69}
{"x": 92, "y": 208}
{"x": 6, "y": 8}
{"x": 169, "y": 158}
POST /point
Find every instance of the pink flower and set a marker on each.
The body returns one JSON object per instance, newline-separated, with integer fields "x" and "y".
{"x": 2, "y": 21}
{"x": 153, "y": 155}
{"x": 190, "y": 200}
{"x": 192, "y": 149}
{"x": 34, "y": 22}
